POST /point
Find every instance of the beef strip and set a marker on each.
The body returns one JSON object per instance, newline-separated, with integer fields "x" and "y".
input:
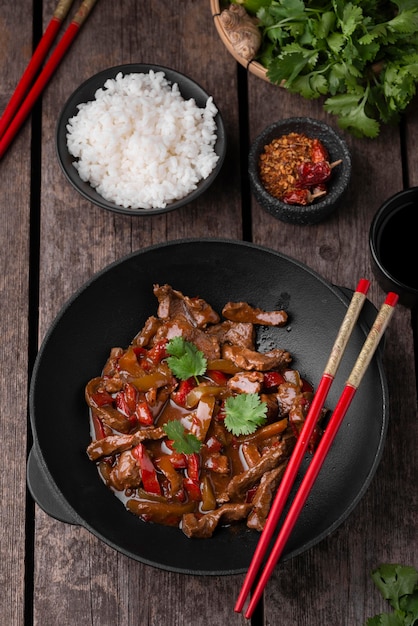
{"x": 246, "y": 382}
{"x": 236, "y": 333}
{"x": 113, "y": 418}
{"x": 169, "y": 513}
{"x": 126, "y": 472}
{"x": 204, "y": 527}
{"x": 244, "y": 312}
{"x": 114, "y": 444}
{"x": 181, "y": 327}
{"x": 172, "y": 303}
{"x": 263, "y": 497}
{"x": 239, "y": 484}
{"x": 110, "y": 368}
{"x": 146, "y": 334}
{"x": 253, "y": 360}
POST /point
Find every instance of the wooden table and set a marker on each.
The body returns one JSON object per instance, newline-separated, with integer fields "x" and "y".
{"x": 52, "y": 241}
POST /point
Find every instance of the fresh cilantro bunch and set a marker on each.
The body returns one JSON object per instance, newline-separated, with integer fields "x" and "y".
{"x": 244, "y": 413}
{"x": 185, "y": 359}
{"x": 361, "y": 55}
{"x": 399, "y": 585}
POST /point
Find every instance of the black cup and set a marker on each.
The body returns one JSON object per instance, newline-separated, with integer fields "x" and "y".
{"x": 394, "y": 246}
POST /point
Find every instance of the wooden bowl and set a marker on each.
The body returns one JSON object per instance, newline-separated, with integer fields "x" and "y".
{"x": 252, "y": 66}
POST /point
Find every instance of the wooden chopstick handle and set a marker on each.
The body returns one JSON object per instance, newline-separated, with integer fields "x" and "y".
{"x": 62, "y": 9}
{"x": 369, "y": 347}
{"x": 373, "y": 339}
{"x": 346, "y": 327}
{"x": 83, "y": 12}
{"x": 45, "y": 75}
{"x": 35, "y": 63}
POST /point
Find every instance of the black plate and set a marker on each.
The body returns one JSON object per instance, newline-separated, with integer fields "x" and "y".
{"x": 85, "y": 93}
{"x": 110, "y": 309}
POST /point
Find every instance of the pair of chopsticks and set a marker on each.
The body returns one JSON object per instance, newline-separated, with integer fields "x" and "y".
{"x": 369, "y": 347}
{"x": 25, "y": 96}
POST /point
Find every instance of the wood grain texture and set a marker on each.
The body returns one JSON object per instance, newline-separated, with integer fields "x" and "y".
{"x": 78, "y": 580}
{"x": 14, "y": 289}
{"x": 93, "y": 582}
{"x": 383, "y": 527}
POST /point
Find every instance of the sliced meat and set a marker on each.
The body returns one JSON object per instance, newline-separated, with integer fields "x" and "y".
{"x": 246, "y": 382}
{"x": 244, "y": 312}
{"x": 253, "y": 360}
{"x": 172, "y": 303}
{"x": 113, "y": 418}
{"x": 218, "y": 463}
{"x": 181, "y": 327}
{"x": 169, "y": 513}
{"x": 263, "y": 497}
{"x": 110, "y": 365}
{"x": 239, "y": 484}
{"x": 236, "y": 333}
{"x": 114, "y": 444}
{"x": 204, "y": 527}
{"x": 287, "y": 394}
{"x": 146, "y": 334}
{"x": 125, "y": 473}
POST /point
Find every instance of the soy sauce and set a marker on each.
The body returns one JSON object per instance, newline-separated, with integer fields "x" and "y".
{"x": 398, "y": 245}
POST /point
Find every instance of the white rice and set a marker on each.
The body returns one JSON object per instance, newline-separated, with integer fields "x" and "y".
{"x": 140, "y": 144}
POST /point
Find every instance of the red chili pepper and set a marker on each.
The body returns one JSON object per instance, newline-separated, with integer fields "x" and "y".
{"x": 122, "y": 405}
{"x": 158, "y": 352}
{"x": 131, "y": 395}
{"x": 185, "y": 387}
{"x": 311, "y": 174}
{"x": 99, "y": 431}
{"x": 139, "y": 351}
{"x": 178, "y": 460}
{"x": 193, "y": 466}
{"x": 101, "y": 397}
{"x": 148, "y": 471}
{"x": 272, "y": 379}
{"x": 213, "y": 444}
{"x": 298, "y": 196}
{"x": 143, "y": 413}
{"x": 318, "y": 151}
{"x": 193, "y": 489}
{"x": 218, "y": 377}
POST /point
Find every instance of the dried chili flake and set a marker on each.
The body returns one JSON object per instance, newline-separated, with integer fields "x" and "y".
{"x": 294, "y": 168}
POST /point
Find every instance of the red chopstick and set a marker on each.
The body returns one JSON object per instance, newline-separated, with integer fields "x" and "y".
{"x": 37, "y": 59}
{"x": 45, "y": 74}
{"x": 340, "y": 343}
{"x": 369, "y": 347}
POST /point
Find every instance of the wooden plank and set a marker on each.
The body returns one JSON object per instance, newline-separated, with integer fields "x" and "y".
{"x": 15, "y": 50}
{"x": 308, "y": 589}
{"x": 75, "y": 574}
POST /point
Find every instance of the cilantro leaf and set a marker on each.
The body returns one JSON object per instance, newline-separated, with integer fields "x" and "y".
{"x": 399, "y": 585}
{"x": 350, "y": 109}
{"x": 360, "y": 53}
{"x": 185, "y": 359}
{"x": 244, "y": 413}
{"x": 183, "y": 442}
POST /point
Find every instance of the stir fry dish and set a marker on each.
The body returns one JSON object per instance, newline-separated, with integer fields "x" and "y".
{"x": 191, "y": 425}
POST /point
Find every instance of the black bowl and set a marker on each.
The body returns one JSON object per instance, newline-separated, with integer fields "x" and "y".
{"x": 85, "y": 93}
{"x": 392, "y": 240}
{"x": 337, "y": 185}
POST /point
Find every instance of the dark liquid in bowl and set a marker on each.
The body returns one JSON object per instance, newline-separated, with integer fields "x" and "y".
{"x": 398, "y": 245}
